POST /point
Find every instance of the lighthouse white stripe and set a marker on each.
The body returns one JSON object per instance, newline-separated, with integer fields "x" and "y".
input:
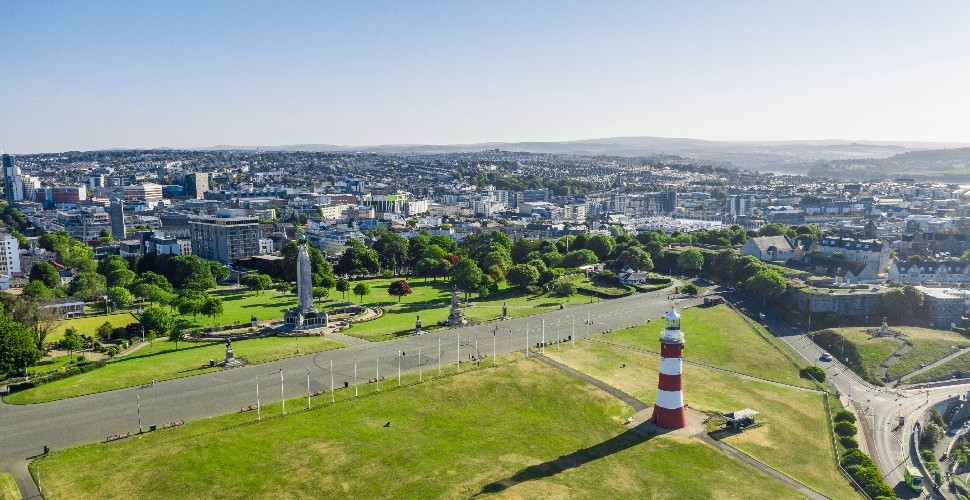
{"x": 670, "y": 400}
{"x": 671, "y": 366}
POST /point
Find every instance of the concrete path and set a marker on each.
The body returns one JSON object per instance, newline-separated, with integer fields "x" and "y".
{"x": 893, "y": 358}
{"x": 634, "y": 403}
{"x": 930, "y": 366}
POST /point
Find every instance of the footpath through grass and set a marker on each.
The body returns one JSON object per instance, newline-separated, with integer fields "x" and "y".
{"x": 867, "y": 353}
{"x": 521, "y": 430}
{"x": 717, "y": 336}
{"x": 794, "y": 438}
{"x": 164, "y": 362}
{"x": 8, "y": 488}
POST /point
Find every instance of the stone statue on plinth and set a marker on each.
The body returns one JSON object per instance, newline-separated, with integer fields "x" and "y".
{"x": 456, "y": 317}
{"x": 417, "y": 326}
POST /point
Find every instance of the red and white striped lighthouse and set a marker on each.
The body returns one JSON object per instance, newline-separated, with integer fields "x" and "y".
{"x": 669, "y": 411}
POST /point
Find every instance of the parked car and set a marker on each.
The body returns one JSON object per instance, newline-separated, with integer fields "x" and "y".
{"x": 826, "y": 357}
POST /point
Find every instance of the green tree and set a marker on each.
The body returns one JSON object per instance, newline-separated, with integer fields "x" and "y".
{"x": 522, "y": 275}
{"x": 190, "y": 302}
{"x": 104, "y": 331}
{"x": 212, "y": 308}
{"x": 357, "y": 260}
{"x": 111, "y": 263}
{"x": 579, "y": 258}
{"x": 71, "y": 342}
{"x": 88, "y": 286}
{"x": 690, "y": 262}
{"x": 219, "y": 272}
{"x": 637, "y": 259}
{"x": 36, "y": 290}
{"x": 46, "y": 273}
{"x": 121, "y": 277}
{"x": 776, "y": 230}
{"x": 361, "y": 289}
{"x": 343, "y": 286}
{"x": 767, "y": 284}
{"x": 157, "y": 321}
{"x": 321, "y": 292}
{"x": 120, "y": 297}
{"x": 565, "y": 289}
{"x": 399, "y": 289}
{"x": 176, "y": 335}
{"x": 256, "y": 282}
{"x": 104, "y": 239}
{"x": 902, "y": 305}
{"x": 466, "y": 275}
{"x": 18, "y": 345}
{"x": 602, "y": 245}
{"x": 392, "y": 251}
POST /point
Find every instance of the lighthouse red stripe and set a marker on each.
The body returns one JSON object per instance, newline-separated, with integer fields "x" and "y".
{"x": 669, "y": 382}
{"x": 671, "y": 350}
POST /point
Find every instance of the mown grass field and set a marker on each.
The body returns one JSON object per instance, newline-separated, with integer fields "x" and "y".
{"x": 8, "y": 488}
{"x": 88, "y": 325}
{"x": 717, "y": 336}
{"x": 521, "y": 430}
{"x": 959, "y": 364}
{"x": 794, "y": 438}
{"x": 867, "y": 353}
{"x": 164, "y": 362}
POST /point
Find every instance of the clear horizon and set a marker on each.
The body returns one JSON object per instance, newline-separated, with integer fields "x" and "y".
{"x": 139, "y": 75}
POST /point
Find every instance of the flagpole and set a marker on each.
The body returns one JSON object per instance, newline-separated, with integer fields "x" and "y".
{"x": 378, "y": 366}
{"x": 459, "y": 352}
{"x": 333, "y": 397}
{"x": 543, "y": 337}
{"x": 355, "y": 376}
{"x": 399, "y": 368}
{"x": 259, "y": 415}
{"x": 439, "y": 357}
{"x": 282, "y": 395}
{"x": 572, "y": 338}
{"x": 308, "y": 388}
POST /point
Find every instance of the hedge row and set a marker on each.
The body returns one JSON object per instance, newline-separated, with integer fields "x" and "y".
{"x": 858, "y": 465}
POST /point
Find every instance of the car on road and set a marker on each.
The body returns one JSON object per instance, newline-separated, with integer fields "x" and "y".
{"x": 825, "y": 357}
{"x": 761, "y": 316}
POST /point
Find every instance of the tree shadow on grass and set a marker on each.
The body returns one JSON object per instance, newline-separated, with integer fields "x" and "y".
{"x": 578, "y": 458}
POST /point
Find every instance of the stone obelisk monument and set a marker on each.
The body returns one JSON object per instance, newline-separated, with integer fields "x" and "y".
{"x": 305, "y": 315}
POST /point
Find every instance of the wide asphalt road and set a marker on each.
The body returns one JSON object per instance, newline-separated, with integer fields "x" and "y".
{"x": 25, "y": 429}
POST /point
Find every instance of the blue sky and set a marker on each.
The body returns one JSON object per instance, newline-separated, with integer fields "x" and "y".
{"x": 104, "y": 74}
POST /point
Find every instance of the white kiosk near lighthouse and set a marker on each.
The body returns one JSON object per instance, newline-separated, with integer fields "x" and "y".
{"x": 305, "y": 316}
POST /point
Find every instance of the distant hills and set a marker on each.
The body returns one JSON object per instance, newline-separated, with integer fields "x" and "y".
{"x": 829, "y": 158}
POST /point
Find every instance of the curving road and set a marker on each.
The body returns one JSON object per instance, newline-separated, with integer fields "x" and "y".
{"x": 24, "y": 430}
{"x": 878, "y": 409}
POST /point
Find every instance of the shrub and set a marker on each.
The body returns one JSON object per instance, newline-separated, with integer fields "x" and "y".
{"x": 845, "y": 416}
{"x": 690, "y": 289}
{"x": 848, "y": 442}
{"x": 814, "y": 372}
{"x": 931, "y": 435}
{"x": 845, "y": 429}
{"x": 565, "y": 289}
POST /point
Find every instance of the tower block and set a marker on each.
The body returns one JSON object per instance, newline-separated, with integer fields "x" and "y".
{"x": 669, "y": 411}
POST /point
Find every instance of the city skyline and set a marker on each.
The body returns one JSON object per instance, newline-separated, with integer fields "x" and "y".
{"x": 122, "y": 75}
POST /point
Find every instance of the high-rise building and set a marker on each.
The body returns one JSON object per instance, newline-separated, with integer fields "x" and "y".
{"x": 18, "y": 186}
{"x": 225, "y": 238}
{"x": 195, "y": 185}
{"x": 741, "y": 205}
{"x": 117, "y": 214}
{"x": 9, "y": 255}
{"x": 143, "y": 192}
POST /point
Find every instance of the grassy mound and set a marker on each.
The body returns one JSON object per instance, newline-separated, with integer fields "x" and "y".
{"x": 717, "y": 336}
{"x": 521, "y": 430}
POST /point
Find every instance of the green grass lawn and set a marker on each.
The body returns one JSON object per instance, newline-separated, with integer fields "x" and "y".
{"x": 794, "y": 438}
{"x": 164, "y": 362}
{"x": 555, "y": 437}
{"x": 88, "y": 325}
{"x": 432, "y": 304}
{"x": 8, "y": 488}
{"x": 959, "y": 364}
{"x": 717, "y": 336}
{"x": 52, "y": 364}
{"x": 867, "y": 353}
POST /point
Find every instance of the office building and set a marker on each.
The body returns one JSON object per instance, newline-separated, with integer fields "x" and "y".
{"x": 116, "y": 212}
{"x": 195, "y": 185}
{"x": 225, "y": 237}
{"x": 143, "y": 192}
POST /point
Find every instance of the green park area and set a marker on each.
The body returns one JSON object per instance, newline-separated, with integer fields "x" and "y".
{"x": 87, "y": 325}
{"x": 432, "y": 302}
{"x": 163, "y": 361}
{"x": 793, "y": 416}
{"x": 555, "y": 437}
{"x": 882, "y": 359}
{"x": 8, "y": 488}
{"x": 718, "y": 336}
